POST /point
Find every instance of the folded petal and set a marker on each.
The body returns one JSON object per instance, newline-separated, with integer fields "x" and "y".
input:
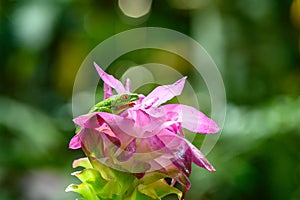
{"x": 199, "y": 159}
{"x": 92, "y": 143}
{"x": 163, "y": 93}
{"x": 192, "y": 119}
{"x": 128, "y": 152}
{"x": 184, "y": 152}
{"x": 75, "y": 142}
{"x": 80, "y": 120}
{"x": 110, "y": 80}
{"x": 91, "y": 120}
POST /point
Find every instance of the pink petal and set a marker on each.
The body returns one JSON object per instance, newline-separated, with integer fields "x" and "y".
{"x": 150, "y": 144}
{"x": 165, "y": 92}
{"x": 75, "y": 142}
{"x": 128, "y": 152}
{"x": 127, "y": 85}
{"x": 89, "y": 121}
{"x": 80, "y": 120}
{"x": 92, "y": 143}
{"x": 199, "y": 159}
{"x": 107, "y": 91}
{"x": 121, "y": 127}
{"x": 192, "y": 119}
{"x": 149, "y": 102}
{"x": 110, "y": 80}
{"x": 142, "y": 118}
{"x": 180, "y": 147}
{"x": 184, "y": 161}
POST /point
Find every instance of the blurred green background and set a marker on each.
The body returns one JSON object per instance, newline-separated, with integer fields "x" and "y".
{"x": 254, "y": 43}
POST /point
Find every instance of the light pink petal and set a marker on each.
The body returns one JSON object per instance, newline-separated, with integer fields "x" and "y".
{"x": 142, "y": 119}
{"x": 149, "y": 102}
{"x": 107, "y": 91}
{"x": 89, "y": 121}
{"x": 127, "y": 85}
{"x": 165, "y": 92}
{"x": 80, "y": 120}
{"x": 110, "y": 80}
{"x": 144, "y": 125}
{"x": 192, "y": 119}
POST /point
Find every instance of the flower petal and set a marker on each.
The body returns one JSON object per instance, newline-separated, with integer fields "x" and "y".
{"x": 199, "y": 159}
{"x": 163, "y": 93}
{"x": 127, "y": 85}
{"x": 80, "y": 120}
{"x": 110, "y": 80}
{"x": 128, "y": 152}
{"x": 89, "y": 121}
{"x": 107, "y": 91}
{"x": 75, "y": 142}
{"x": 192, "y": 119}
{"x": 92, "y": 143}
{"x": 180, "y": 146}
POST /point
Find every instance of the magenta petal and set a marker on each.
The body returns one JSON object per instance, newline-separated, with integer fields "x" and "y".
{"x": 180, "y": 148}
{"x": 184, "y": 162}
{"x": 165, "y": 92}
{"x": 110, "y": 80}
{"x": 150, "y": 144}
{"x": 192, "y": 119}
{"x": 75, "y": 142}
{"x": 199, "y": 159}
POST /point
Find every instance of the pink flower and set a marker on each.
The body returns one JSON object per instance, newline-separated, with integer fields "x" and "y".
{"x": 147, "y": 137}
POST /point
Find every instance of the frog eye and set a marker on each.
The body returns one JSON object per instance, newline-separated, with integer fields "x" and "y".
{"x": 124, "y": 97}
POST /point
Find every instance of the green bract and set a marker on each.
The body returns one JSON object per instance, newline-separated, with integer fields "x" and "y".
{"x": 100, "y": 182}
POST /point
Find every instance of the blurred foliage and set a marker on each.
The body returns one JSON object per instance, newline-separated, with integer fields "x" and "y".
{"x": 254, "y": 43}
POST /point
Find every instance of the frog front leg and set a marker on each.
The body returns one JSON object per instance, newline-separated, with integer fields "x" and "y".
{"x": 101, "y": 109}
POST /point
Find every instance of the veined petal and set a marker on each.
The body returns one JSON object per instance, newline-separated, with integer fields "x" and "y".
{"x": 163, "y": 93}
{"x": 110, "y": 80}
{"x": 192, "y": 119}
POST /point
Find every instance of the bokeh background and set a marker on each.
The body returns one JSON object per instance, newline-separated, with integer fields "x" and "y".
{"x": 254, "y": 43}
